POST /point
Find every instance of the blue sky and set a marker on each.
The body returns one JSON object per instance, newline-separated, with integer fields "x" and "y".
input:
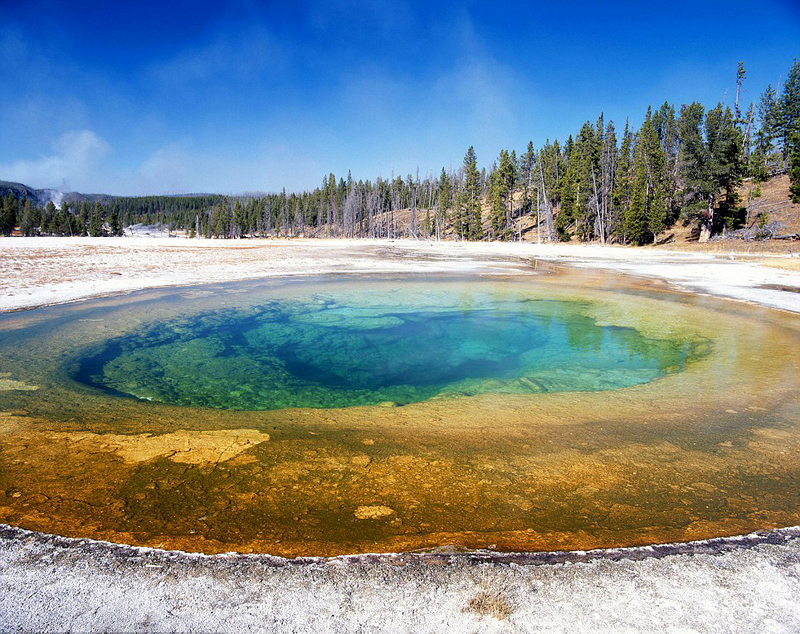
{"x": 177, "y": 96}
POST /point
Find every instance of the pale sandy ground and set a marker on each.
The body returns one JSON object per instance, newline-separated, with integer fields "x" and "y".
{"x": 52, "y": 584}
{"x": 38, "y": 271}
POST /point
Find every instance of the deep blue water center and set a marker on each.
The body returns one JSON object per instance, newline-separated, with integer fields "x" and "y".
{"x": 344, "y": 352}
{"x": 423, "y": 349}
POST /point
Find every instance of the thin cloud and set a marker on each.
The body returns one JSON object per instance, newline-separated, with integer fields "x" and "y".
{"x": 243, "y": 55}
{"x": 166, "y": 171}
{"x": 186, "y": 168}
{"x": 72, "y": 162}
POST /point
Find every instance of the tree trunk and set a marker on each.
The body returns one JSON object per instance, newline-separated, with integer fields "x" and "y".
{"x": 708, "y": 223}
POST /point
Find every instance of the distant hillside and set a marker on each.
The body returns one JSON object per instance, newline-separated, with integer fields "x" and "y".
{"x": 41, "y": 197}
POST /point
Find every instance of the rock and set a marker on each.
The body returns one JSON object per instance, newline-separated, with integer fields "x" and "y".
{"x": 373, "y": 512}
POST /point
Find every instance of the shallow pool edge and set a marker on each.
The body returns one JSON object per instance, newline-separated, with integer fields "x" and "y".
{"x": 445, "y": 555}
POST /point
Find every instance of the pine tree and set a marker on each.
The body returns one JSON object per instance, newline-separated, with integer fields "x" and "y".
{"x": 789, "y": 124}
{"x": 667, "y": 129}
{"x": 696, "y": 188}
{"x": 526, "y": 177}
{"x": 470, "y": 198}
{"x": 96, "y": 222}
{"x": 444, "y": 202}
{"x": 85, "y": 214}
{"x": 585, "y": 164}
{"x": 8, "y": 214}
{"x": 47, "y": 217}
{"x": 114, "y": 224}
{"x": 566, "y": 212}
{"x": 741, "y": 75}
{"x": 749, "y": 124}
{"x": 767, "y": 131}
{"x": 636, "y": 231}
{"x": 794, "y": 168}
{"x": 501, "y": 186}
{"x": 607, "y": 220}
{"x": 647, "y": 214}
{"x": 726, "y": 167}
{"x": 496, "y": 206}
{"x": 30, "y": 219}
{"x": 623, "y": 181}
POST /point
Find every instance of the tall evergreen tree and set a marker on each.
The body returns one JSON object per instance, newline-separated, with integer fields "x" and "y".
{"x": 9, "y": 207}
{"x": 496, "y": 206}
{"x": 726, "y": 166}
{"x": 741, "y": 75}
{"x": 114, "y": 224}
{"x": 506, "y": 178}
{"x": 96, "y": 222}
{"x": 695, "y": 183}
{"x": 767, "y": 131}
{"x": 444, "y": 202}
{"x": 623, "y": 180}
{"x": 30, "y": 219}
{"x": 607, "y": 219}
{"x": 647, "y": 213}
{"x": 789, "y": 125}
{"x": 566, "y": 212}
{"x": 470, "y": 198}
{"x": 526, "y": 177}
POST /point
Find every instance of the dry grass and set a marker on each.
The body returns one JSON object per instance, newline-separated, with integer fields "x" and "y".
{"x": 787, "y": 265}
{"x": 490, "y": 603}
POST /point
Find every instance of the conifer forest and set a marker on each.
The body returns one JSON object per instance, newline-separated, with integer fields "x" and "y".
{"x": 608, "y": 183}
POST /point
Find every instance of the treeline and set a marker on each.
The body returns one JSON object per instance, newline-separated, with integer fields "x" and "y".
{"x": 682, "y": 164}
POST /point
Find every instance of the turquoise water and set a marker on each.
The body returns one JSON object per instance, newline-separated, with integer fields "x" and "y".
{"x": 160, "y": 444}
{"x": 325, "y": 352}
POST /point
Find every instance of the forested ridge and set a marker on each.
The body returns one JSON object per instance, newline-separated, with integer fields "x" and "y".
{"x": 601, "y": 184}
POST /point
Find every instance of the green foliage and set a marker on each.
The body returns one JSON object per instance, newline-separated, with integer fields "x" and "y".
{"x": 623, "y": 182}
{"x": 590, "y": 187}
{"x": 96, "y": 228}
{"x": 757, "y": 167}
{"x": 636, "y": 230}
{"x": 710, "y": 161}
{"x": 725, "y": 165}
{"x": 468, "y": 219}
{"x": 502, "y": 181}
{"x": 115, "y": 227}
{"x": 496, "y": 207}
{"x": 789, "y": 125}
{"x": 794, "y": 170}
{"x": 647, "y": 214}
{"x": 788, "y": 114}
{"x": 30, "y": 219}
{"x": 9, "y": 206}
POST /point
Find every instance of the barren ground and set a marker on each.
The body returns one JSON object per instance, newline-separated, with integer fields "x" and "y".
{"x": 41, "y": 271}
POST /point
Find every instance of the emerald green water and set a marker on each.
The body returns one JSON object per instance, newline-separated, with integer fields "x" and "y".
{"x": 339, "y": 351}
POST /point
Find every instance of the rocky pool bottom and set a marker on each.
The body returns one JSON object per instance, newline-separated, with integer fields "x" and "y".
{"x": 703, "y": 443}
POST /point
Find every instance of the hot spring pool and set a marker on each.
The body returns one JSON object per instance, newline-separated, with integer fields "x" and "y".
{"x": 332, "y": 415}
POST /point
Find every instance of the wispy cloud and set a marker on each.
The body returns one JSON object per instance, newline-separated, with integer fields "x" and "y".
{"x": 245, "y": 54}
{"x": 184, "y": 167}
{"x": 71, "y": 164}
{"x": 481, "y": 88}
{"x": 167, "y": 170}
